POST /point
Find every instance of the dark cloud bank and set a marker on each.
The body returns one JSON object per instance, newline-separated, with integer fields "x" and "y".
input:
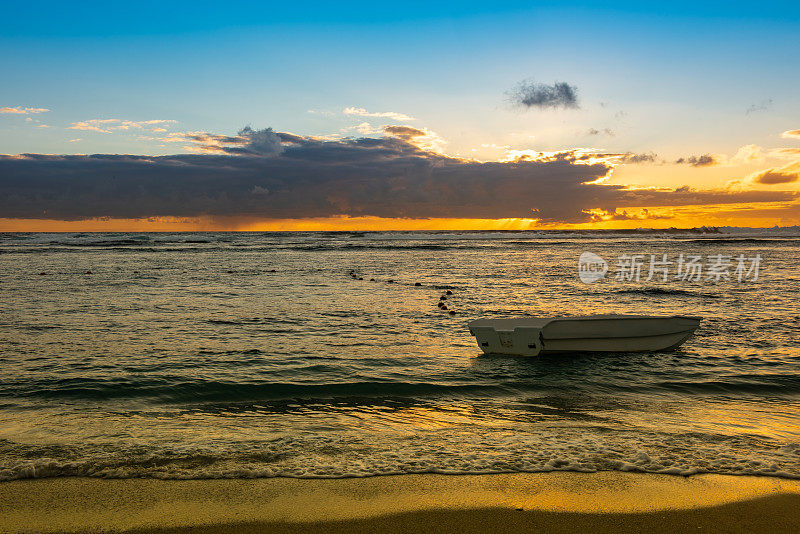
{"x": 265, "y": 174}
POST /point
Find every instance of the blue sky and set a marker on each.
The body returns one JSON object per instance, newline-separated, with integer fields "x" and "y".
{"x": 37, "y": 18}
{"x": 449, "y": 65}
{"x": 676, "y": 79}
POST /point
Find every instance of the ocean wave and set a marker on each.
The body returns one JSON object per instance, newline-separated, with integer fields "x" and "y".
{"x": 455, "y": 453}
{"x": 191, "y": 246}
{"x": 241, "y": 321}
{"x": 539, "y": 242}
{"x": 743, "y": 241}
{"x": 754, "y": 383}
{"x": 181, "y": 389}
{"x": 666, "y": 291}
{"x": 83, "y": 249}
{"x": 321, "y": 247}
{"x": 103, "y": 243}
{"x": 309, "y": 382}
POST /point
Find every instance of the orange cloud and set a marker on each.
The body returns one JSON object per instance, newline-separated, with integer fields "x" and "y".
{"x": 23, "y": 111}
{"x": 773, "y": 176}
{"x": 361, "y": 112}
{"x": 421, "y": 138}
{"x": 781, "y": 175}
{"x": 106, "y": 125}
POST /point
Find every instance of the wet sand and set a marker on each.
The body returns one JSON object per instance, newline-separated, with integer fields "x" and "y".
{"x": 540, "y": 502}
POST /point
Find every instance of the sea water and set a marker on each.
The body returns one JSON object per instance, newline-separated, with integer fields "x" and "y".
{"x": 212, "y": 355}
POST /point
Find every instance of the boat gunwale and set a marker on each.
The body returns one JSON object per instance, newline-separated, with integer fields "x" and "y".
{"x": 606, "y": 317}
{"x": 689, "y": 331}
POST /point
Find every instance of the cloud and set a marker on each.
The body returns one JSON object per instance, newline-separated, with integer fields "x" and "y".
{"x": 781, "y": 175}
{"x": 263, "y": 174}
{"x": 365, "y": 128}
{"x": 706, "y": 160}
{"x": 581, "y": 156}
{"x": 748, "y": 154}
{"x": 23, "y": 111}
{"x": 421, "y": 138}
{"x": 529, "y": 94}
{"x": 247, "y": 142}
{"x": 761, "y": 106}
{"x": 107, "y": 125}
{"x": 788, "y": 173}
{"x": 638, "y": 158}
{"x": 775, "y": 176}
{"x": 98, "y": 125}
{"x": 791, "y": 153}
{"x": 598, "y": 215}
{"x": 361, "y": 112}
{"x": 595, "y": 131}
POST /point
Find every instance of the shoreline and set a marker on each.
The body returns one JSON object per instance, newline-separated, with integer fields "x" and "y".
{"x": 555, "y": 502}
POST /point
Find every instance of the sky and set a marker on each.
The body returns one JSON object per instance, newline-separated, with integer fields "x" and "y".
{"x": 262, "y": 116}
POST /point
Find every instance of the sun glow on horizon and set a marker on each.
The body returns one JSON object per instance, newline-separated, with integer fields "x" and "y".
{"x": 756, "y": 215}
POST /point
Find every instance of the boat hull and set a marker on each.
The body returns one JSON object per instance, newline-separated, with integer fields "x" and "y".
{"x": 600, "y": 333}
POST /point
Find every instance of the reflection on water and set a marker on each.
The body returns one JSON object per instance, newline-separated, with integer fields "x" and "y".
{"x": 243, "y": 355}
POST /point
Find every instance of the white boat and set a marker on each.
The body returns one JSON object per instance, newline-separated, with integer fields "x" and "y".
{"x": 531, "y": 336}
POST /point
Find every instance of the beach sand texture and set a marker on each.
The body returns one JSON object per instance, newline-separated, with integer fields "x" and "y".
{"x": 522, "y": 502}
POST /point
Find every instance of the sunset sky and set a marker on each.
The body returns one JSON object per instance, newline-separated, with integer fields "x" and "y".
{"x": 453, "y": 115}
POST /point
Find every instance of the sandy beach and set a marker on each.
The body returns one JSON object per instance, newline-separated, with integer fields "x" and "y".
{"x": 546, "y": 502}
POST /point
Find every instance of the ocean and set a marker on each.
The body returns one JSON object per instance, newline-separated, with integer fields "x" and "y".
{"x": 238, "y": 355}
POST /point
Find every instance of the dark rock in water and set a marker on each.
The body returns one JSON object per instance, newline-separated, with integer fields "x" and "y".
{"x": 442, "y": 298}
{"x": 135, "y": 272}
{"x": 390, "y": 281}
{"x": 42, "y": 274}
{"x": 448, "y": 292}
{"x": 360, "y": 278}
{"x": 443, "y": 307}
{"x": 417, "y": 284}
{"x": 88, "y": 272}
{"x": 371, "y": 279}
{"x": 452, "y": 312}
{"x": 230, "y": 272}
{"x": 273, "y": 271}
